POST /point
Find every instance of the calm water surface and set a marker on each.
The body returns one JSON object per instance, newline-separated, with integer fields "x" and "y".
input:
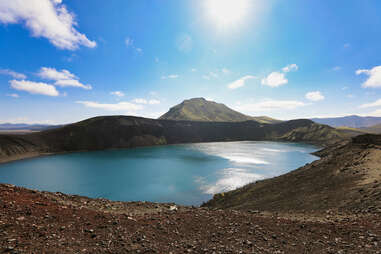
{"x": 186, "y": 174}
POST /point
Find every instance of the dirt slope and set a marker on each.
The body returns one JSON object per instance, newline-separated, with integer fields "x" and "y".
{"x": 346, "y": 178}
{"x": 41, "y": 222}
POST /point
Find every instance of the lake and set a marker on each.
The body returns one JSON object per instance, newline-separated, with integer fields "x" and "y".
{"x": 187, "y": 174}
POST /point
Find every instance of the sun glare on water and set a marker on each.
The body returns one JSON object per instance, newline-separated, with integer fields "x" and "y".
{"x": 226, "y": 13}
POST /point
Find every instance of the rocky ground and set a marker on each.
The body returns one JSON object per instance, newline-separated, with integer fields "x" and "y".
{"x": 42, "y": 222}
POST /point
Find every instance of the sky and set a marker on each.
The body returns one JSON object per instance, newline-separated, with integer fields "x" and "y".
{"x": 63, "y": 61}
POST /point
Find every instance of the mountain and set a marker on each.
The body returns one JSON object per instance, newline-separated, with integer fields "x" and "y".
{"x": 346, "y": 178}
{"x": 23, "y": 126}
{"x": 200, "y": 109}
{"x": 349, "y": 121}
{"x": 376, "y": 129}
{"x": 126, "y": 132}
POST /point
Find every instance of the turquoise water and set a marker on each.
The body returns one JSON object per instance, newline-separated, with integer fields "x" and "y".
{"x": 186, "y": 174}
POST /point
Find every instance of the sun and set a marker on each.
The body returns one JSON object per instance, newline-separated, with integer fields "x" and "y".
{"x": 227, "y": 12}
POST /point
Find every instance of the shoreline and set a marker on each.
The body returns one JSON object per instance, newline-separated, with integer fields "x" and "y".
{"x": 33, "y": 155}
{"x": 39, "y": 222}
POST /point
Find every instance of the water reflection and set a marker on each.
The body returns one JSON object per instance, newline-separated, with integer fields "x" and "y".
{"x": 186, "y": 174}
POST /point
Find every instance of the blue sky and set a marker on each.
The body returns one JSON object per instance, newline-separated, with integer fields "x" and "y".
{"x": 65, "y": 60}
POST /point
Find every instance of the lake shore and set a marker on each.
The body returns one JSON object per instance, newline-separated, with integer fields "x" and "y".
{"x": 17, "y": 157}
{"x": 34, "y": 221}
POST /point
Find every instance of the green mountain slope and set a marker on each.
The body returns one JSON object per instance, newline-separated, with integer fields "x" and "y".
{"x": 199, "y": 109}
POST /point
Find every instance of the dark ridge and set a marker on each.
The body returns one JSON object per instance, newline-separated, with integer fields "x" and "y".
{"x": 110, "y": 132}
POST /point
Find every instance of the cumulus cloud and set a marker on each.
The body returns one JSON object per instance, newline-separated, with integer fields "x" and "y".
{"x": 172, "y": 76}
{"x": 275, "y": 79}
{"x": 290, "y": 67}
{"x": 315, "y": 96}
{"x": 117, "y": 93}
{"x": 13, "y": 74}
{"x": 371, "y": 105}
{"x": 121, "y": 106}
{"x": 240, "y": 82}
{"x": 62, "y": 78}
{"x": 374, "y": 77}
{"x": 270, "y": 105}
{"x": 53, "y": 74}
{"x": 34, "y": 87}
{"x": 45, "y": 18}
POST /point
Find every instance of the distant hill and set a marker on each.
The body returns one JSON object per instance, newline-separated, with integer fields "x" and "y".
{"x": 200, "y": 109}
{"x": 349, "y": 121}
{"x": 23, "y": 126}
{"x": 376, "y": 129}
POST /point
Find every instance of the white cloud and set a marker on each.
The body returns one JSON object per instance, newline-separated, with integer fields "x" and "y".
{"x": 184, "y": 43}
{"x": 53, "y": 74}
{"x": 62, "y": 78}
{"x": 210, "y": 75}
{"x": 240, "y": 82}
{"x": 193, "y": 70}
{"x": 73, "y": 83}
{"x": 129, "y": 42}
{"x": 275, "y": 79}
{"x": 14, "y": 95}
{"x": 374, "y": 113}
{"x": 45, "y": 18}
{"x": 371, "y": 105}
{"x": 140, "y": 101}
{"x": 270, "y": 105}
{"x": 117, "y": 93}
{"x": 153, "y": 102}
{"x": 13, "y": 74}
{"x": 290, "y": 67}
{"x": 121, "y": 106}
{"x": 172, "y": 76}
{"x": 144, "y": 101}
{"x": 34, "y": 87}
{"x": 374, "y": 80}
{"x": 315, "y": 96}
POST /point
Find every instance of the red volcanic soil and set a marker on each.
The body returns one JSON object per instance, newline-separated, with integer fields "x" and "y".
{"x": 43, "y": 222}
